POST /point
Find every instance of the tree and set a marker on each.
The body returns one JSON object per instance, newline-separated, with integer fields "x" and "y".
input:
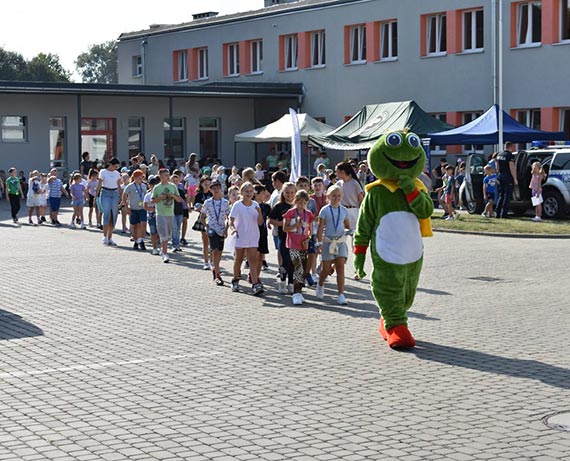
{"x": 13, "y": 66}
{"x": 47, "y": 68}
{"x": 99, "y": 63}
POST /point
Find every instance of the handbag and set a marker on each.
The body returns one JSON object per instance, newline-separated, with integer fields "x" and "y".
{"x": 199, "y": 226}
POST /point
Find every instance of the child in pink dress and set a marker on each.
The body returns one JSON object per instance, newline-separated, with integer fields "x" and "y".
{"x": 537, "y": 176}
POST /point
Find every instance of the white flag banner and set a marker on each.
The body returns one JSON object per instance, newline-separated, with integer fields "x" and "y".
{"x": 295, "y": 147}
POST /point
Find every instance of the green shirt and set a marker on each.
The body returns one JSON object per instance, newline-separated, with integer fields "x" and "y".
{"x": 13, "y": 184}
{"x": 165, "y": 207}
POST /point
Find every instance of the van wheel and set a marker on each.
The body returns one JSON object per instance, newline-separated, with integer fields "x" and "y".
{"x": 553, "y": 205}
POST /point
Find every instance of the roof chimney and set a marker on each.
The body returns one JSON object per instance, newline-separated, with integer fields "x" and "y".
{"x": 208, "y": 14}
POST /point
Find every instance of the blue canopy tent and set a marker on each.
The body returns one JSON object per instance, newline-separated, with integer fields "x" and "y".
{"x": 485, "y": 130}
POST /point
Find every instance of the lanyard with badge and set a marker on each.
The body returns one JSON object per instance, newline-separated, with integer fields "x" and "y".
{"x": 337, "y": 222}
{"x": 140, "y": 193}
{"x": 219, "y": 212}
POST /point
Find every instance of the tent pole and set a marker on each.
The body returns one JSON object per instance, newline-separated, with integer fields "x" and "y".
{"x": 255, "y": 150}
{"x": 235, "y": 153}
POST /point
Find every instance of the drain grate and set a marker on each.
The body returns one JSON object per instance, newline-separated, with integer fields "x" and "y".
{"x": 559, "y": 421}
{"x": 485, "y": 279}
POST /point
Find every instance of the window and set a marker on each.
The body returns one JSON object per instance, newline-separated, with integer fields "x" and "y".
{"x": 136, "y": 137}
{"x": 529, "y": 23}
{"x": 434, "y": 148}
{"x": 291, "y": 52}
{"x": 437, "y": 34}
{"x": 233, "y": 59}
{"x": 389, "y": 41}
{"x": 468, "y": 117}
{"x": 182, "y": 65}
{"x": 256, "y": 56}
{"x": 561, "y": 162}
{"x": 564, "y": 20}
{"x": 358, "y": 44}
{"x": 473, "y": 30}
{"x": 209, "y": 137}
{"x": 318, "y": 49}
{"x": 174, "y": 146}
{"x": 202, "y": 63}
{"x": 14, "y": 128}
{"x": 565, "y": 121}
{"x": 137, "y": 66}
{"x": 530, "y": 118}
{"x": 57, "y": 148}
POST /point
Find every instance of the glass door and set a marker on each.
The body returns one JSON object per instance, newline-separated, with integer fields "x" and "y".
{"x": 98, "y": 138}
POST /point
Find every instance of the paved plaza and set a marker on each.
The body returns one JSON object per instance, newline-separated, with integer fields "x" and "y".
{"x": 109, "y": 354}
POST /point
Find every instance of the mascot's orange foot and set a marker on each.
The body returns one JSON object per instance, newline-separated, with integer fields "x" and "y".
{"x": 382, "y": 330}
{"x": 400, "y": 337}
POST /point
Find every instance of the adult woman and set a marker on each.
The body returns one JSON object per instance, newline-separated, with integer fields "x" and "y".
{"x": 352, "y": 193}
{"x": 108, "y": 194}
{"x": 192, "y": 162}
{"x": 283, "y": 161}
{"x": 203, "y": 195}
{"x": 153, "y": 167}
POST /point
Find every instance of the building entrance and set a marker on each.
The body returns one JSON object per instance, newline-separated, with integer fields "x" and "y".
{"x": 98, "y": 137}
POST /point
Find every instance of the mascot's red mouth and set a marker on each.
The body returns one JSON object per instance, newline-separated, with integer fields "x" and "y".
{"x": 401, "y": 164}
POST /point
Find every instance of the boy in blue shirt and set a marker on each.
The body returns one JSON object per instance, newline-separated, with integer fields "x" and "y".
{"x": 490, "y": 185}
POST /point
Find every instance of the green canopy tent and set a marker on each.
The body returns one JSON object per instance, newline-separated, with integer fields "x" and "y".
{"x": 372, "y": 121}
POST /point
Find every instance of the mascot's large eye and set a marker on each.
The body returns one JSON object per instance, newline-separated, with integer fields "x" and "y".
{"x": 394, "y": 140}
{"x": 413, "y": 141}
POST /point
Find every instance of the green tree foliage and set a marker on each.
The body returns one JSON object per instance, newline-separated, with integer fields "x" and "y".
{"x": 42, "y": 68}
{"x": 99, "y": 63}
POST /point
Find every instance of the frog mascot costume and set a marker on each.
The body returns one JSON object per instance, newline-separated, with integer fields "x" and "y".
{"x": 394, "y": 216}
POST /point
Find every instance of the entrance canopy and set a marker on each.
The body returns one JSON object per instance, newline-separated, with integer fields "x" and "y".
{"x": 485, "y": 130}
{"x": 282, "y": 130}
{"x": 372, "y": 121}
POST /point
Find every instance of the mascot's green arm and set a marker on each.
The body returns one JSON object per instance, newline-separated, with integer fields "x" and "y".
{"x": 421, "y": 205}
{"x": 366, "y": 220}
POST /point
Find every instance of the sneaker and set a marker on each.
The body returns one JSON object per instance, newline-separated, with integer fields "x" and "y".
{"x": 112, "y": 243}
{"x": 290, "y": 289}
{"x": 83, "y": 226}
{"x": 493, "y": 215}
{"x": 537, "y": 219}
{"x": 218, "y": 281}
{"x": 320, "y": 293}
{"x": 264, "y": 265}
{"x": 30, "y": 221}
{"x": 141, "y": 246}
{"x": 177, "y": 249}
{"x": 77, "y": 221}
{"x": 72, "y": 226}
{"x": 310, "y": 280}
{"x": 136, "y": 246}
{"x": 183, "y": 241}
{"x": 449, "y": 218}
{"x": 165, "y": 258}
{"x": 235, "y": 286}
{"x": 57, "y": 223}
{"x": 341, "y": 299}
{"x": 43, "y": 219}
{"x": 155, "y": 251}
{"x": 206, "y": 267}
{"x": 15, "y": 220}
{"x": 90, "y": 224}
{"x": 281, "y": 288}
{"x": 445, "y": 216}
{"x": 105, "y": 241}
{"x": 100, "y": 226}
{"x": 485, "y": 215}
{"x": 298, "y": 299}
{"x": 257, "y": 289}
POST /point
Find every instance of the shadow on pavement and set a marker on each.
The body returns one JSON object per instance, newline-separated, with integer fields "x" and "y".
{"x": 12, "y": 326}
{"x": 480, "y": 361}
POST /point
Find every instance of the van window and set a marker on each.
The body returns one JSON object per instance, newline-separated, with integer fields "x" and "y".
{"x": 561, "y": 162}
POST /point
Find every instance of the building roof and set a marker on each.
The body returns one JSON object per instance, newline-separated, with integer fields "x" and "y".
{"x": 214, "y": 89}
{"x": 274, "y": 10}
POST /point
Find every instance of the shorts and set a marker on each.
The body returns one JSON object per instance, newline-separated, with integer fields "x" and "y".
{"x": 152, "y": 224}
{"x": 185, "y": 214}
{"x": 91, "y": 201}
{"x": 54, "y": 203}
{"x": 262, "y": 245}
{"x": 217, "y": 242}
{"x": 192, "y": 191}
{"x": 78, "y": 203}
{"x": 448, "y": 198}
{"x": 137, "y": 217}
{"x": 341, "y": 250}
{"x": 164, "y": 227}
{"x": 311, "y": 247}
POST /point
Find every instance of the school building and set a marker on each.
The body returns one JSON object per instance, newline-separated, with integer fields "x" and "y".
{"x": 192, "y": 86}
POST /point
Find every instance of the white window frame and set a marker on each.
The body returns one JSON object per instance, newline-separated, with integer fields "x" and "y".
{"x": 6, "y": 128}
{"x": 182, "y": 57}
{"x": 388, "y": 26}
{"x": 358, "y": 44}
{"x": 528, "y": 38}
{"x": 137, "y": 67}
{"x": 529, "y": 116}
{"x": 202, "y": 54}
{"x": 204, "y": 127}
{"x": 178, "y": 125}
{"x": 437, "y": 149}
{"x": 318, "y": 49}
{"x": 564, "y": 9}
{"x": 438, "y": 35}
{"x": 473, "y": 20}
{"x": 233, "y": 59}
{"x": 136, "y": 129}
{"x": 256, "y": 56}
{"x": 472, "y": 147}
{"x": 291, "y": 52}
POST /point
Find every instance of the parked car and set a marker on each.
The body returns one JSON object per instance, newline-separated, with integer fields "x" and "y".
{"x": 555, "y": 190}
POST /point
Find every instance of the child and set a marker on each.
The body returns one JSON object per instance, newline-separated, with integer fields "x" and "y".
{"x": 234, "y": 178}
{"x": 263, "y": 246}
{"x": 333, "y": 220}
{"x": 178, "y": 214}
{"x": 303, "y": 184}
{"x": 133, "y": 200}
{"x": 201, "y": 197}
{"x": 43, "y": 197}
{"x": 222, "y": 177}
{"x": 490, "y": 183}
{"x": 77, "y": 191}
{"x": 245, "y": 219}
{"x": 124, "y": 210}
{"x": 164, "y": 195}
{"x": 233, "y": 195}
{"x": 214, "y": 214}
{"x": 34, "y": 197}
{"x": 184, "y": 204}
{"x": 538, "y": 176}
{"x": 91, "y": 190}
{"x": 192, "y": 181}
{"x": 259, "y": 174}
{"x": 297, "y": 224}
{"x": 448, "y": 194}
{"x": 150, "y": 208}
{"x": 14, "y": 192}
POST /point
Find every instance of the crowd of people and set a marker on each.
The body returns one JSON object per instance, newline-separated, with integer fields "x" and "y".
{"x": 247, "y": 213}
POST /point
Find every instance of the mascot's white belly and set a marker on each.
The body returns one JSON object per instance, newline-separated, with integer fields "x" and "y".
{"x": 398, "y": 238}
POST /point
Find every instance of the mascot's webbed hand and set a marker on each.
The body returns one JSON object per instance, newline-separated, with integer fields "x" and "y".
{"x": 359, "y": 260}
{"x": 406, "y": 183}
